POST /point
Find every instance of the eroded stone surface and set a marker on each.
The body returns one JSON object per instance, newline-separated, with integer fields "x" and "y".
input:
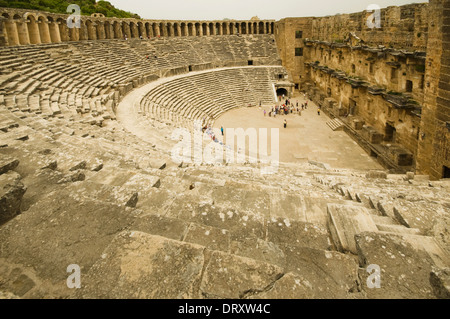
{"x": 141, "y": 266}
{"x": 7, "y": 164}
{"x": 232, "y": 277}
{"x": 12, "y": 191}
{"x": 440, "y": 282}
{"x": 291, "y": 232}
{"x": 405, "y": 266}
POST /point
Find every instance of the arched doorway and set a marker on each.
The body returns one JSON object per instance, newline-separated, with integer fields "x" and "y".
{"x": 244, "y": 28}
{"x": 11, "y": 30}
{"x": 282, "y": 92}
{"x": 33, "y": 30}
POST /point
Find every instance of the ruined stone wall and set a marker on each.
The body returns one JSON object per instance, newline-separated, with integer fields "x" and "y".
{"x": 23, "y": 27}
{"x": 396, "y": 76}
{"x": 389, "y": 69}
{"x": 434, "y": 145}
{"x": 341, "y": 96}
{"x": 288, "y": 40}
{"x": 403, "y": 27}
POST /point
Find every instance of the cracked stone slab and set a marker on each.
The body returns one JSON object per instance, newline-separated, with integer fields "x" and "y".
{"x": 171, "y": 228}
{"x": 298, "y": 233}
{"x": 246, "y": 201}
{"x": 112, "y": 176}
{"x": 286, "y": 206}
{"x": 420, "y": 215}
{"x": 12, "y": 191}
{"x": 65, "y": 230}
{"x": 330, "y": 274}
{"x": 141, "y": 266}
{"x": 7, "y": 296}
{"x": 240, "y": 225}
{"x": 440, "y": 281}
{"x": 346, "y": 221}
{"x": 7, "y": 164}
{"x": 232, "y": 277}
{"x": 259, "y": 250}
{"x": 405, "y": 261}
{"x": 209, "y": 237}
{"x": 290, "y": 286}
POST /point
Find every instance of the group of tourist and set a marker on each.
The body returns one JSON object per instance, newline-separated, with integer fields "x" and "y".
{"x": 289, "y": 108}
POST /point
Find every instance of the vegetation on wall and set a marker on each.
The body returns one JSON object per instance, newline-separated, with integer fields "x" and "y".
{"x": 88, "y": 7}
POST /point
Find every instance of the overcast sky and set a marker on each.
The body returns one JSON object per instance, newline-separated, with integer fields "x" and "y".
{"x": 246, "y": 9}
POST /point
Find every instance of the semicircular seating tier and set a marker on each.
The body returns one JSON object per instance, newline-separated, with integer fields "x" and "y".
{"x": 207, "y": 95}
{"x": 87, "y": 79}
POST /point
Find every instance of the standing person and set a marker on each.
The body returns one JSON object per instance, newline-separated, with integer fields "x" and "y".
{"x": 285, "y": 123}
{"x": 264, "y": 113}
{"x": 221, "y": 129}
{"x": 318, "y": 111}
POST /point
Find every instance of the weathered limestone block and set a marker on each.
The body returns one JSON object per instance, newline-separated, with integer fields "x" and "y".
{"x": 97, "y": 167}
{"x": 376, "y": 174}
{"x": 171, "y": 228}
{"x": 207, "y": 236}
{"x": 331, "y": 274}
{"x": 21, "y": 285}
{"x": 420, "y": 215}
{"x": 440, "y": 282}
{"x": 405, "y": 263}
{"x": 400, "y": 156}
{"x": 142, "y": 266}
{"x": 255, "y": 202}
{"x": 345, "y": 221}
{"x": 79, "y": 166}
{"x": 371, "y": 135}
{"x": 290, "y": 286}
{"x": 132, "y": 202}
{"x": 259, "y": 250}
{"x": 50, "y": 165}
{"x": 232, "y": 277}
{"x": 74, "y": 177}
{"x": 11, "y": 194}
{"x": 7, "y": 295}
{"x": 284, "y": 231}
{"x": 240, "y": 225}
{"x": 358, "y": 124}
{"x": 7, "y": 164}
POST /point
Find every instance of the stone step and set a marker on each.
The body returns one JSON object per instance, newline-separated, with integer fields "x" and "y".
{"x": 335, "y": 124}
{"x": 421, "y": 215}
{"x": 405, "y": 263}
{"x": 389, "y": 228}
{"x": 344, "y": 222}
{"x": 157, "y": 267}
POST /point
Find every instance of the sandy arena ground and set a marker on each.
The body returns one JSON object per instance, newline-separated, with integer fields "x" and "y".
{"x": 306, "y": 138}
